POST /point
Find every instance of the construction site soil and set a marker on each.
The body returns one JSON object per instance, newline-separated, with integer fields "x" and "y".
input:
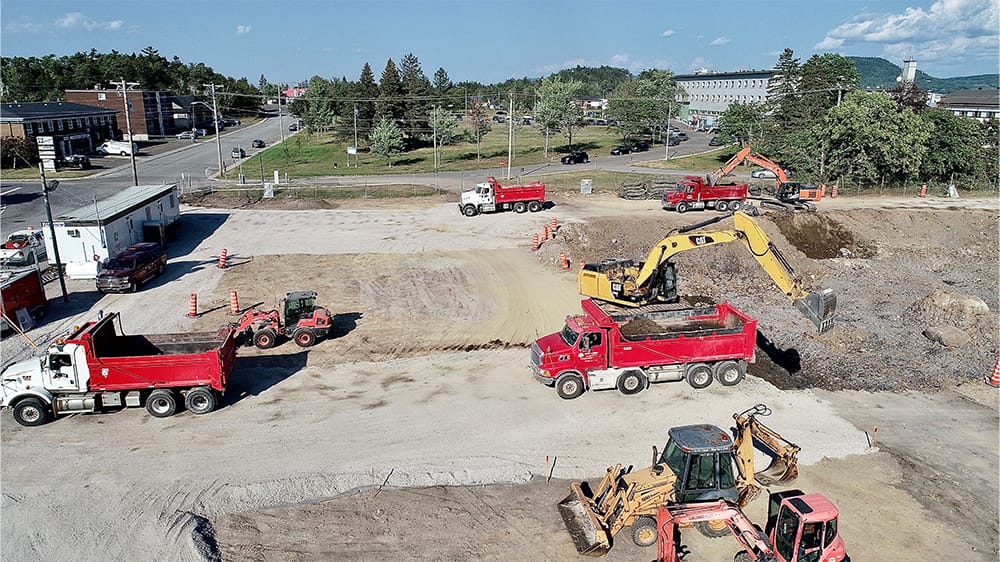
{"x": 416, "y": 431}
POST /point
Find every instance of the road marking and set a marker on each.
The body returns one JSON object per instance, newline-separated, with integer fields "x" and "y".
{"x": 8, "y": 192}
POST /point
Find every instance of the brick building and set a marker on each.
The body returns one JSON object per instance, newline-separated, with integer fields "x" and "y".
{"x": 75, "y": 128}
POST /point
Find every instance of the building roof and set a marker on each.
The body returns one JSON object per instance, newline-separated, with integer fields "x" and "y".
{"x": 986, "y": 98}
{"x": 19, "y": 112}
{"x": 723, "y": 75}
{"x": 116, "y": 206}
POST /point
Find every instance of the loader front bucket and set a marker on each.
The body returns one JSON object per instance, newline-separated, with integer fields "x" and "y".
{"x": 819, "y": 308}
{"x": 589, "y": 536}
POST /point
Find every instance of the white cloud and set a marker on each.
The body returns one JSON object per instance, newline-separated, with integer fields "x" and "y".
{"x": 949, "y": 28}
{"x": 76, "y": 20}
{"x": 668, "y": 33}
{"x": 719, "y": 41}
{"x": 699, "y": 63}
{"x": 619, "y": 60}
{"x": 23, "y": 25}
{"x": 243, "y": 29}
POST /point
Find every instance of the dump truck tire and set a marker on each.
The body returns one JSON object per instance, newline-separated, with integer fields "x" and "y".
{"x": 200, "y": 401}
{"x": 161, "y": 403}
{"x": 735, "y": 205}
{"x": 682, "y": 207}
{"x": 569, "y": 387}
{"x": 470, "y": 210}
{"x": 699, "y": 375}
{"x": 631, "y": 382}
{"x": 644, "y": 531}
{"x": 535, "y": 206}
{"x": 730, "y": 373}
{"x": 31, "y": 412}
{"x": 721, "y": 206}
{"x": 520, "y": 207}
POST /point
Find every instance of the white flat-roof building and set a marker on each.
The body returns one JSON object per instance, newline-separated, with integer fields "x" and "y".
{"x": 708, "y": 94}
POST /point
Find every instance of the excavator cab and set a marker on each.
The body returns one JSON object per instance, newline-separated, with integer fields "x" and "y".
{"x": 803, "y": 528}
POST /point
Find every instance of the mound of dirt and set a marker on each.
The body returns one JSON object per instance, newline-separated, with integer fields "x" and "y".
{"x": 819, "y": 236}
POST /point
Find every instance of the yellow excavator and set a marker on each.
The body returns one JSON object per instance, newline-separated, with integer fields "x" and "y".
{"x": 699, "y": 463}
{"x": 630, "y": 284}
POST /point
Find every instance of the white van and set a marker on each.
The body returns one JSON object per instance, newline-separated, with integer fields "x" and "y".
{"x": 118, "y": 147}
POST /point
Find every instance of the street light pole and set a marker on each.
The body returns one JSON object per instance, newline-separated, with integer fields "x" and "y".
{"x": 218, "y": 133}
{"x": 52, "y": 229}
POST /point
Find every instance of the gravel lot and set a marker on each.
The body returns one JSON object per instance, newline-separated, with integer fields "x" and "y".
{"x": 425, "y": 392}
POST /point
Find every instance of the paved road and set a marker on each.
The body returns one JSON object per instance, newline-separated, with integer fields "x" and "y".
{"x": 193, "y": 163}
{"x": 172, "y": 161}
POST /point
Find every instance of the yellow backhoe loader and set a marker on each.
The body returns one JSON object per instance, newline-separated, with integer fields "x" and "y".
{"x": 699, "y": 463}
{"x": 631, "y": 284}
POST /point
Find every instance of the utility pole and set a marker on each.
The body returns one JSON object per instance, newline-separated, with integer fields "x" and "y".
{"x": 435, "y": 133}
{"x": 281, "y": 125}
{"x": 124, "y": 87}
{"x": 218, "y": 133}
{"x": 510, "y": 135}
{"x": 355, "y": 134}
{"x": 46, "y": 188}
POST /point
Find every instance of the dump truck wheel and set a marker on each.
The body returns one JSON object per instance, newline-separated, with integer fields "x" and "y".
{"x": 161, "y": 403}
{"x": 470, "y": 210}
{"x": 682, "y": 207}
{"x": 520, "y": 207}
{"x": 721, "y": 206}
{"x": 31, "y": 412}
{"x": 569, "y": 387}
{"x": 304, "y": 338}
{"x": 735, "y": 205}
{"x": 535, "y": 206}
{"x": 631, "y": 382}
{"x": 265, "y": 338}
{"x": 730, "y": 373}
{"x": 200, "y": 401}
{"x": 644, "y": 531}
{"x": 699, "y": 375}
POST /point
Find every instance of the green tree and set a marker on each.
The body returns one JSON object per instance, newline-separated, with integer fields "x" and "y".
{"x": 416, "y": 99}
{"x": 871, "y": 140}
{"x": 480, "y": 122}
{"x": 366, "y": 93}
{"x": 781, "y": 89}
{"x": 558, "y": 108}
{"x": 742, "y": 122}
{"x": 386, "y": 139}
{"x": 442, "y": 84}
{"x": 443, "y": 125}
{"x": 954, "y": 148}
{"x": 989, "y": 153}
{"x": 389, "y": 104}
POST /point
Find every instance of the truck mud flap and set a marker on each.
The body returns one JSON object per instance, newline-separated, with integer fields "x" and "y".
{"x": 583, "y": 525}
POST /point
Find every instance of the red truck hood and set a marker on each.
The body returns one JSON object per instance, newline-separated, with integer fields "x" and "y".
{"x": 552, "y": 344}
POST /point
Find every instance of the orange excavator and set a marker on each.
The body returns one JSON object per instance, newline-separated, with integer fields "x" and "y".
{"x": 788, "y": 195}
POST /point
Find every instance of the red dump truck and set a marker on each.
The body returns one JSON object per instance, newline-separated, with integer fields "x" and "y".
{"x": 602, "y": 350}
{"x": 693, "y": 193}
{"x": 97, "y": 368}
{"x": 23, "y": 294}
{"x": 493, "y": 196}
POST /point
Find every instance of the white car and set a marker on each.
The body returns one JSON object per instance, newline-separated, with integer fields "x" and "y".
{"x": 24, "y": 247}
{"x": 121, "y": 148}
{"x": 767, "y": 174}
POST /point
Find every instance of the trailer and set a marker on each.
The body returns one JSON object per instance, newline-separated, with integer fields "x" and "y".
{"x": 24, "y": 299}
{"x": 97, "y": 368}
{"x": 493, "y": 196}
{"x": 603, "y": 349}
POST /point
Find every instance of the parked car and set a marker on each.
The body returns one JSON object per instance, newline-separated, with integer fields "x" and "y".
{"x": 621, "y": 149}
{"x": 641, "y": 146}
{"x": 679, "y": 135}
{"x": 200, "y": 132}
{"x": 24, "y": 247}
{"x": 121, "y": 148}
{"x": 714, "y": 141}
{"x": 766, "y": 174}
{"x": 238, "y": 153}
{"x": 576, "y": 157}
{"x": 257, "y": 143}
{"x": 79, "y": 161}
{"x": 673, "y": 141}
{"x": 188, "y": 135}
{"x": 136, "y": 265}
{"x": 293, "y": 127}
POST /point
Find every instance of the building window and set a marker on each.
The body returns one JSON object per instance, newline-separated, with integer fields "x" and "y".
{"x": 102, "y": 96}
{"x": 79, "y": 123}
{"x": 59, "y": 124}
{"x": 73, "y": 233}
{"x": 51, "y": 126}
{"x": 28, "y": 129}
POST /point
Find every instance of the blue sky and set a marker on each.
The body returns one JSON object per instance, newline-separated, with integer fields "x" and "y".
{"x": 491, "y": 40}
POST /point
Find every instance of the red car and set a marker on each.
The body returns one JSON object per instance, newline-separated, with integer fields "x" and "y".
{"x": 136, "y": 265}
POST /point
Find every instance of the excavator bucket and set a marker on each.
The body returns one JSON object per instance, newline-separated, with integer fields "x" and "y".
{"x": 819, "y": 308}
{"x": 588, "y": 534}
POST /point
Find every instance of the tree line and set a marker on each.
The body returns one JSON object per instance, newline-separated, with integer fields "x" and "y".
{"x": 821, "y": 124}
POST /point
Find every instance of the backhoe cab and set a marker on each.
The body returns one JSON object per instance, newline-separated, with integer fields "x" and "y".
{"x": 699, "y": 463}
{"x": 627, "y": 283}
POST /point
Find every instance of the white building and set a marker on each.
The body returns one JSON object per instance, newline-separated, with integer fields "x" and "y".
{"x": 93, "y": 233}
{"x": 707, "y": 95}
{"x": 981, "y": 105}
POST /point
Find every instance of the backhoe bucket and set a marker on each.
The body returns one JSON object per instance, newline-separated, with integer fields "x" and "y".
{"x": 589, "y": 536}
{"x": 780, "y": 470}
{"x": 819, "y": 307}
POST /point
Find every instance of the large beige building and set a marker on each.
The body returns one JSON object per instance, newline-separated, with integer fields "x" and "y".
{"x": 708, "y": 94}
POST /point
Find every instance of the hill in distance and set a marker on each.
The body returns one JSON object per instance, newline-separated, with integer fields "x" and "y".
{"x": 879, "y": 73}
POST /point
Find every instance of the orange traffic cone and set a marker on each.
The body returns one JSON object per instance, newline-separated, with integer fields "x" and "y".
{"x": 534, "y": 242}
{"x": 222, "y": 259}
{"x": 994, "y": 379}
{"x": 833, "y": 191}
{"x": 193, "y": 306}
{"x": 565, "y": 262}
{"x": 234, "y": 303}
{"x": 545, "y": 232}
{"x": 923, "y": 190}
{"x": 555, "y": 224}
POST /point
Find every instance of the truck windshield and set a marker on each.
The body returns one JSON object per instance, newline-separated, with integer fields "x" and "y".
{"x": 674, "y": 457}
{"x": 115, "y": 263}
{"x": 569, "y": 336}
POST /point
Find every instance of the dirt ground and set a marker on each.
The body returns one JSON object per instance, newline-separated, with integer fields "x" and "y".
{"x": 417, "y": 431}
